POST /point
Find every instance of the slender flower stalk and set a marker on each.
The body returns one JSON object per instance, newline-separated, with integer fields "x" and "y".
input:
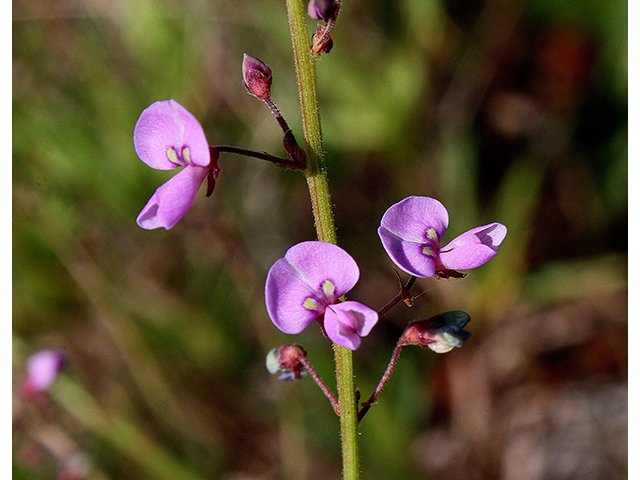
{"x": 326, "y": 10}
{"x": 383, "y": 381}
{"x": 440, "y": 333}
{"x": 323, "y": 386}
{"x": 323, "y": 215}
{"x": 401, "y": 296}
{"x": 278, "y": 161}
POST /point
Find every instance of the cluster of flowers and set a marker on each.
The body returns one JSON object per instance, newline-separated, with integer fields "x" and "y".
{"x": 310, "y": 281}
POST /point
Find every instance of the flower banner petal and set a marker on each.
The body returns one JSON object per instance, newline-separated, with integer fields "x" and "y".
{"x": 287, "y": 299}
{"x": 311, "y": 276}
{"x": 43, "y": 368}
{"x": 408, "y": 256}
{"x": 412, "y": 219}
{"x": 167, "y": 126}
{"x": 319, "y": 262}
{"x": 473, "y": 248}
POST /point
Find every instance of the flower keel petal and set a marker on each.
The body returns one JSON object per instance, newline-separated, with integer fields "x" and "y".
{"x": 172, "y": 199}
{"x": 346, "y": 322}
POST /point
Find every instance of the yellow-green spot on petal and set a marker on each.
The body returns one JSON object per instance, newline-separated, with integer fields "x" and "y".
{"x": 311, "y": 304}
{"x": 428, "y": 251}
{"x": 431, "y": 234}
{"x": 173, "y": 156}
{"x": 186, "y": 155}
{"x": 328, "y": 288}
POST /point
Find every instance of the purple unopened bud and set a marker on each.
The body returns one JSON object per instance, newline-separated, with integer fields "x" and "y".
{"x": 286, "y": 360}
{"x": 441, "y": 333}
{"x": 256, "y": 77}
{"x": 322, "y": 9}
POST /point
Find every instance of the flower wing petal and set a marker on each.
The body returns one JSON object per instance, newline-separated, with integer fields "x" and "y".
{"x": 346, "y": 322}
{"x": 172, "y": 199}
{"x": 473, "y": 248}
{"x": 168, "y": 125}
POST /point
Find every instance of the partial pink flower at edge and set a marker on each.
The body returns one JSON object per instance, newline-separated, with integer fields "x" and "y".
{"x": 42, "y": 369}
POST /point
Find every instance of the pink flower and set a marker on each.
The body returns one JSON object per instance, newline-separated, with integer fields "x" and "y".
{"x": 167, "y": 136}
{"x": 42, "y": 369}
{"x": 411, "y": 231}
{"x": 306, "y": 285}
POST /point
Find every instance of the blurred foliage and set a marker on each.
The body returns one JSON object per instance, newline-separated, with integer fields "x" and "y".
{"x": 506, "y": 111}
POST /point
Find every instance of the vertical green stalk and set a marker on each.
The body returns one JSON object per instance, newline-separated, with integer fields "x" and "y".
{"x": 308, "y": 90}
{"x": 316, "y": 176}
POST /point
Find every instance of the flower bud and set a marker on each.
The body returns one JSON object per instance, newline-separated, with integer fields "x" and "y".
{"x": 256, "y": 77}
{"x": 441, "y": 333}
{"x": 321, "y": 9}
{"x": 321, "y": 43}
{"x": 286, "y": 359}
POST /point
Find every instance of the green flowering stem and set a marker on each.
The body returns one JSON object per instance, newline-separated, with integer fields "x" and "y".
{"x": 308, "y": 90}
{"x": 316, "y": 176}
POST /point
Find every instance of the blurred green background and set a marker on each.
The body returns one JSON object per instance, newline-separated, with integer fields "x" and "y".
{"x": 504, "y": 110}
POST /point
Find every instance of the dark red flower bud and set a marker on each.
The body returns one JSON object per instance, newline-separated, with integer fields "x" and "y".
{"x": 256, "y": 77}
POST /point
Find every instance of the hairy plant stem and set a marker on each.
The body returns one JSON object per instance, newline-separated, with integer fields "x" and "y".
{"x": 316, "y": 176}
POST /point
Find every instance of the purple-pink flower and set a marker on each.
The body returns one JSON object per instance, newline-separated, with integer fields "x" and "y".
{"x": 167, "y": 136}
{"x": 411, "y": 231}
{"x": 306, "y": 285}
